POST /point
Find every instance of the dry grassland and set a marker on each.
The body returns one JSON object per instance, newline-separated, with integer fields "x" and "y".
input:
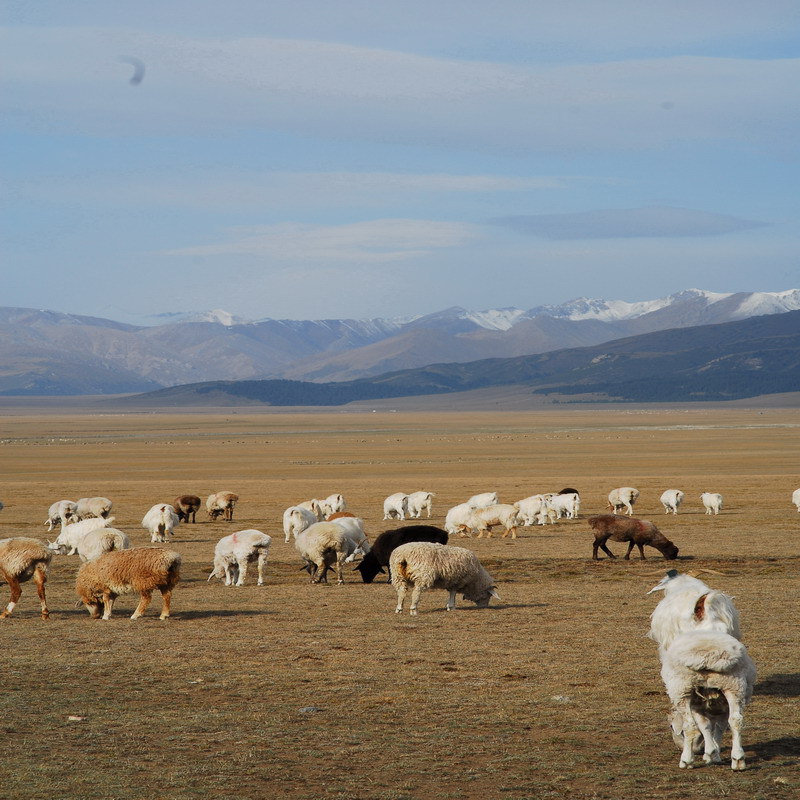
{"x": 299, "y": 691}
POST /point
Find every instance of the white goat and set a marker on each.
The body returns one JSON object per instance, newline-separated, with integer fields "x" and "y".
{"x": 88, "y": 507}
{"x": 419, "y": 502}
{"x": 234, "y": 553}
{"x": 332, "y": 504}
{"x": 483, "y": 499}
{"x": 161, "y": 521}
{"x": 712, "y": 502}
{"x": 565, "y": 505}
{"x": 395, "y": 506}
{"x": 624, "y": 497}
{"x": 535, "y": 509}
{"x": 429, "y": 565}
{"x": 796, "y": 498}
{"x": 69, "y": 536}
{"x": 324, "y": 544}
{"x": 315, "y": 507}
{"x": 484, "y": 519}
{"x": 671, "y": 500}
{"x": 62, "y": 512}
{"x": 102, "y": 540}
{"x": 456, "y": 519}
{"x": 297, "y": 519}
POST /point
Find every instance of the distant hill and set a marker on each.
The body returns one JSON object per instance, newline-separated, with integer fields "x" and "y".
{"x": 727, "y": 361}
{"x": 50, "y": 353}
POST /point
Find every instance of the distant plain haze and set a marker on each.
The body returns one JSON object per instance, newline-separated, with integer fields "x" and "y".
{"x": 317, "y": 160}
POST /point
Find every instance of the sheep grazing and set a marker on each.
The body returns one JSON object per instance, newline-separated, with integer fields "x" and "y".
{"x": 102, "y": 540}
{"x": 419, "y": 502}
{"x": 234, "y": 553}
{"x": 671, "y": 500}
{"x": 386, "y": 542}
{"x": 142, "y": 569}
{"x": 21, "y": 559}
{"x": 428, "y": 565}
{"x": 70, "y": 536}
{"x": 796, "y": 498}
{"x": 483, "y": 499}
{"x": 221, "y": 504}
{"x": 88, "y": 507}
{"x": 484, "y": 519}
{"x": 297, "y": 519}
{"x": 637, "y": 532}
{"x": 706, "y": 670}
{"x": 624, "y": 497}
{"x": 455, "y": 520}
{"x": 161, "y": 521}
{"x": 62, "y": 512}
{"x": 332, "y": 504}
{"x": 566, "y": 504}
{"x": 712, "y": 502}
{"x": 324, "y": 544}
{"x": 187, "y": 505}
{"x": 395, "y": 506}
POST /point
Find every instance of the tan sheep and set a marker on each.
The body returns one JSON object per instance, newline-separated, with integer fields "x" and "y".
{"x": 21, "y": 559}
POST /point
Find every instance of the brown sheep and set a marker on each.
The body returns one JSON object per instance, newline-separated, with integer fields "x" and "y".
{"x": 21, "y": 559}
{"x": 221, "y": 504}
{"x": 187, "y": 505}
{"x": 638, "y": 532}
{"x": 142, "y": 570}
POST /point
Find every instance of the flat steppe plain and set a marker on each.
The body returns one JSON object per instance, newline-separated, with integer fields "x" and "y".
{"x": 305, "y": 691}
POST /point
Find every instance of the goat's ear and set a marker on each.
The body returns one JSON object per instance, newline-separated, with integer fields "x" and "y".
{"x": 673, "y": 573}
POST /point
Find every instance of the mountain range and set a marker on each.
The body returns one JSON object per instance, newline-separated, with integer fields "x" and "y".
{"x": 52, "y": 353}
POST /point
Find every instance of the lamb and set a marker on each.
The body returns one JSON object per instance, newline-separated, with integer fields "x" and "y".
{"x": 386, "y": 542}
{"x": 455, "y": 520}
{"x": 331, "y": 505}
{"x": 483, "y": 499}
{"x": 70, "y": 536}
{"x": 419, "y": 502}
{"x": 712, "y": 502}
{"x": 323, "y": 544}
{"x": 187, "y": 505}
{"x": 535, "y": 509}
{"x": 102, "y": 540}
{"x": 395, "y": 506}
{"x": 429, "y": 565}
{"x": 706, "y": 670}
{"x": 671, "y": 500}
{"x": 566, "y": 505}
{"x": 88, "y": 507}
{"x": 161, "y": 521}
{"x": 62, "y": 512}
{"x": 23, "y": 558}
{"x": 142, "y": 569}
{"x": 796, "y": 498}
{"x": 624, "y": 497}
{"x": 221, "y": 504}
{"x": 638, "y": 532}
{"x": 234, "y": 553}
{"x": 297, "y": 519}
{"x": 484, "y": 519}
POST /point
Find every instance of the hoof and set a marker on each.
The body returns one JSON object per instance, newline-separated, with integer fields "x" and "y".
{"x": 737, "y": 764}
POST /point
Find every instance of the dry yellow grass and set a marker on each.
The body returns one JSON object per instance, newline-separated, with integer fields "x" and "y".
{"x": 553, "y": 692}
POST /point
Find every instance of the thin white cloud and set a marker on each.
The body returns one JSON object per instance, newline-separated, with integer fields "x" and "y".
{"x": 627, "y": 223}
{"x": 375, "y": 241}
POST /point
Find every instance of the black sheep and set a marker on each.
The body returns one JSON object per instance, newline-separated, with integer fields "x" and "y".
{"x": 378, "y": 557}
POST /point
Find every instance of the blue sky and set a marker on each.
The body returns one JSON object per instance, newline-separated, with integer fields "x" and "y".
{"x": 360, "y": 159}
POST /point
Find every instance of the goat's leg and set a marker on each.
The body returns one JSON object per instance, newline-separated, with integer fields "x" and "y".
{"x": 451, "y": 600}
{"x": 604, "y": 548}
{"x": 690, "y": 733}
{"x": 340, "y": 557}
{"x": 144, "y": 601}
{"x": 16, "y": 591}
{"x": 242, "y": 565}
{"x": 108, "y": 604}
{"x": 401, "y": 587}
{"x": 641, "y": 552}
{"x": 415, "y": 593}
{"x": 166, "y": 596}
{"x": 711, "y": 746}
{"x": 262, "y": 562}
{"x": 735, "y": 720}
{"x": 630, "y": 548}
{"x": 40, "y": 578}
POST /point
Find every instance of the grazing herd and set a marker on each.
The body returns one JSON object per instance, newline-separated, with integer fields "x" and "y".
{"x": 706, "y": 670}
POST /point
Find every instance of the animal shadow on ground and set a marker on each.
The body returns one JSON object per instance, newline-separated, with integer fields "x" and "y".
{"x": 780, "y": 685}
{"x": 227, "y": 612}
{"x": 787, "y": 747}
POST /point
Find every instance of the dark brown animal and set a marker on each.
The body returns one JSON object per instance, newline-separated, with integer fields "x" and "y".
{"x": 636, "y": 532}
{"x": 187, "y": 505}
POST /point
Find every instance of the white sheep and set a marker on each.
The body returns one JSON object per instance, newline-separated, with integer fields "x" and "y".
{"x": 315, "y": 507}
{"x": 456, "y": 519}
{"x": 395, "y": 506}
{"x": 332, "y": 504}
{"x": 483, "y": 499}
{"x": 297, "y": 519}
{"x": 234, "y": 553}
{"x": 624, "y": 497}
{"x": 161, "y": 521}
{"x": 484, "y": 519}
{"x": 429, "y": 565}
{"x": 62, "y": 512}
{"x": 102, "y": 540}
{"x": 796, "y": 498}
{"x": 221, "y": 504}
{"x": 712, "y": 502}
{"x": 88, "y": 507}
{"x": 324, "y": 544}
{"x": 565, "y": 505}
{"x": 419, "y": 502}
{"x": 671, "y": 500}
{"x": 69, "y": 536}
{"x": 23, "y": 558}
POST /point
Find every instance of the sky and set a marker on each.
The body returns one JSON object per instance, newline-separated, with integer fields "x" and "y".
{"x": 323, "y": 159}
